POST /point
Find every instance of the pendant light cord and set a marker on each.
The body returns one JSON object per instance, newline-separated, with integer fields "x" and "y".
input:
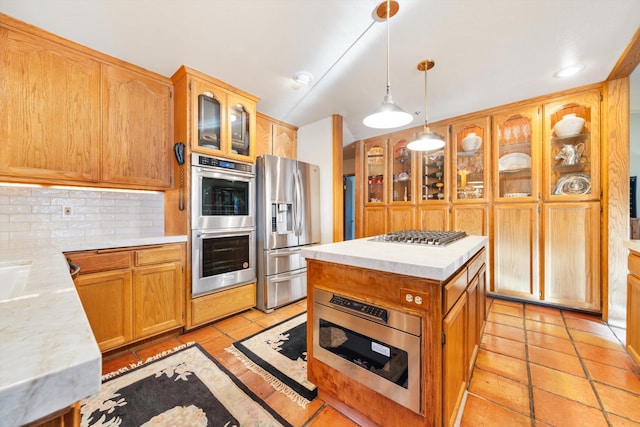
{"x": 388, "y": 48}
{"x": 425, "y": 100}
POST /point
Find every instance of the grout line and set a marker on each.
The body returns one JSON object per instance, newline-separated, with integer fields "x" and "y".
{"x": 586, "y": 372}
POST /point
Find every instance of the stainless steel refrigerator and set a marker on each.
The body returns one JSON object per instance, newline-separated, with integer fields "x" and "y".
{"x": 287, "y": 219}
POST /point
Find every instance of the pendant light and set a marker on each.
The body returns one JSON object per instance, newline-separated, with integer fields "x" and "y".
{"x": 426, "y": 140}
{"x": 388, "y": 115}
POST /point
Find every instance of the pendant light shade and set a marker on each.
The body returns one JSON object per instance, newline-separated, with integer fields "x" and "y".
{"x": 388, "y": 115}
{"x": 426, "y": 140}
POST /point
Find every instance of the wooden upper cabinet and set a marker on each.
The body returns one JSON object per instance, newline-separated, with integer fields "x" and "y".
{"x": 470, "y": 140}
{"x": 375, "y": 169}
{"x": 571, "y": 147}
{"x": 434, "y": 180}
{"x": 402, "y": 163}
{"x": 516, "y": 153}
{"x": 50, "y": 111}
{"x": 275, "y": 137}
{"x": 137, "y": 129}
{"x": 220, "y": 119}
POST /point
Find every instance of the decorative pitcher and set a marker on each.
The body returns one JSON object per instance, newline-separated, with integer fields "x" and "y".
{"x": 570, "y": 154}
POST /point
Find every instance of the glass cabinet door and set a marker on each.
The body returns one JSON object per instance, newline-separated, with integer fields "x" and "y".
{"x": 209, "y": 115}
{"x": 471, "y": 160}
{"x": 572, "y": 148}
{"x": 434, "y": 179}
{"x": 240, "y": 116}
{"x": 375, "y": 162}
{"x": 401, "y": 169}
{"x": 517, "y": 138}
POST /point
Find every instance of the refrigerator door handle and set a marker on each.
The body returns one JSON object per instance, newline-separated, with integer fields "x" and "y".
{"x": 286, "y": 253}
{"x": 298, "y": 203}
{"x": 288, "y": 277}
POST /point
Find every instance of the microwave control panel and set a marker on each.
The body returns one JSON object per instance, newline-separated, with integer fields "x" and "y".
{"x": 369, "y": 310}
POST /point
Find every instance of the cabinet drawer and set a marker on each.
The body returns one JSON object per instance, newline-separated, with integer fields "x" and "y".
{"x": 158, "y": 255}
{"x": 91, "y": 262}
{"x": 475, "y": 265}
{"x": 453, "y": 290}
{"x": 634, "y": 264}
{"x": 220, "y": 304}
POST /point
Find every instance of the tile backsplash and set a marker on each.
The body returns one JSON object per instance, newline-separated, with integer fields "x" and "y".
{"x": 39, "y": 212}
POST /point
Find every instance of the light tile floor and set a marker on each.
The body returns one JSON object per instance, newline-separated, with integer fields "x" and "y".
{"x": 536, "y": 367}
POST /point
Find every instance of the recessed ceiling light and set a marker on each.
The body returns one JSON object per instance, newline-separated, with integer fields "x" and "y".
{"x": 570, "y": 71}
{"x": 303, "y": 78}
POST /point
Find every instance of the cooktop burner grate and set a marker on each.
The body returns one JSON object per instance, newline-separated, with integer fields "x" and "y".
{"x": 421, "y": 237}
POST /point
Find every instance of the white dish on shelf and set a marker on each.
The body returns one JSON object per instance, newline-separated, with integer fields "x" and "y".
{"x": 516, "y": 195}
{"x": 514, "y": 161}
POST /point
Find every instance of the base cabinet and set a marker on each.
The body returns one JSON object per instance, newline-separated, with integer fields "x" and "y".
{"x": 220, "y": 304}
{"x": 132, "y": 293}
{"x": 454, "y": 365}
{"x": 633, "y": 306}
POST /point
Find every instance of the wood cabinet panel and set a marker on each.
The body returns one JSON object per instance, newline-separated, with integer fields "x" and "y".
{"x": 472, "y": 326}
{"x": 106, "y": 298}
{"x": 375, "y": 219}
{"x": 401, "y": 218}
{"x": 50, "y": 111}
{"x": 454, "y": 327}
{"x": 275, "y": 137}
{"x": 572, "y": 254}
{"x": 158, "y": 299}
{"x": 93, "y": 262}
{"x": 516, "y": 250}
{"x": 633, "y": 309}
{"x": 220, "y": 304}
{"x": 137, "y": 129}
{"x": 433, "y": 218}
{"x": 474, "y": 219}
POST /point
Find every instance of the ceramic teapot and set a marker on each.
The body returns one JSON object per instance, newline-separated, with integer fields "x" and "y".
{"x": 570, "y": 154}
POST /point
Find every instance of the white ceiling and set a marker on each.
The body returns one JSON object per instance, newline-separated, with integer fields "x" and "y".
{"x": 487, "y": 53}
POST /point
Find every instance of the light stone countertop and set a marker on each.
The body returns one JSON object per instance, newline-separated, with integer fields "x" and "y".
{"x": 49, "y": 358}
{"x": 430, "y": 262}
{"x": 633, "y": 245}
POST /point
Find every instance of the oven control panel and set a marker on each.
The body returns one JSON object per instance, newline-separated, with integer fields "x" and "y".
{"x": 369, "y": 310}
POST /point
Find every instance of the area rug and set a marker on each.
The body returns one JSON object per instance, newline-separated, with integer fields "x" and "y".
{"x": 279, "y": 355}
{"x": 184, "y": 388}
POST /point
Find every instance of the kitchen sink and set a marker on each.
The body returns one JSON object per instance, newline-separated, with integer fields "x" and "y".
{"x": 13, "y": 279}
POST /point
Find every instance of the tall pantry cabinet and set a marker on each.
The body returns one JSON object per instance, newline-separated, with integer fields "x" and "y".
{"x": 513, "y": 173}
{"x": 546, "y": 209}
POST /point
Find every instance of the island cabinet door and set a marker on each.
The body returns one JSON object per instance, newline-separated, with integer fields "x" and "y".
{"x": 572, "y": 254}
{"x": 515, "y": 250}
{"x": 454, "y": 369}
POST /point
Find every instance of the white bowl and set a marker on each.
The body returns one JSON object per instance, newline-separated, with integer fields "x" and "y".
{"x": 471, "y": 142}
{"x": 570, "y": 125}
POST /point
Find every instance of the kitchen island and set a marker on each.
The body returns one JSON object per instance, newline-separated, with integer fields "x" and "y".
{"x": 393, "y": 328}
{"x": 49, "y": 358}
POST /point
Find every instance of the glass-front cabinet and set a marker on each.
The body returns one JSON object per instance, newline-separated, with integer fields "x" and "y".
{"x": 402, "y": 172}
{"x": 571, "y": 148}
{"x": 516, "y": 135}
{"x": 375, "y": 164}
{"x": 223, "y": 121}
{"x": 471, "y": 142}
{"x": 434, "y": 185}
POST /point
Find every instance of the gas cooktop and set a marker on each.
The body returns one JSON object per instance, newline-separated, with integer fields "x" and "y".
{"x": 421, "y": 237}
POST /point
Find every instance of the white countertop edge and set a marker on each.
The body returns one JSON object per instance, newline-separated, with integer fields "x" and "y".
{"x": 48, "y": 355}
{"x": 633, "y": 245}
{"x": 436, "y": 263}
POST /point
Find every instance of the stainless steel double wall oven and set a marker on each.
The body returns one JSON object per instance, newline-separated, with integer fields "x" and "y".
{"x": 223, "y": 225}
